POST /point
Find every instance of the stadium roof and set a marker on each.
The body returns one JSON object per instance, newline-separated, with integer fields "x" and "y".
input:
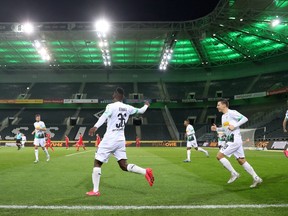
{"x": 236, "y": 31}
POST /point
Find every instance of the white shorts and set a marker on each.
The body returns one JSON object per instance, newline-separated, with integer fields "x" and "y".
{"x": 233, "y": 148}
{"x": 39, "y": 142}
{"x": 108, "y": 147}
{"x": 191, "y": 144}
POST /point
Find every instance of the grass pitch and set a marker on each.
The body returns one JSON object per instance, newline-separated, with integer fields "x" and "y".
{"x": 64, "y": 180}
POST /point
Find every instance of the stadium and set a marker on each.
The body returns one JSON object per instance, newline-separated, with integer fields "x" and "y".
{"x": 67, "y": 72}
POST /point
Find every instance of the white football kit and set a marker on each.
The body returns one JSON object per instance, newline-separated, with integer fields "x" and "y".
{"x": 23, "y": 141}
{"x": 191, "y": 138}
{"x": 39, "y": 136}
{"x": 113, "y": 142}
{"x": 233, "y": 138}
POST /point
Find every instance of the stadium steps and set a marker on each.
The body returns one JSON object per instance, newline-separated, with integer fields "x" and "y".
{"x": 161, "y": 91}
{"x": 250, "y": 87}
{"x": 174, "y": 133}
{"x": 203, "y": 115}
{"x": 164, "y": 90}
{"x": 206, "y": 89}
{"x": 5, "y": 123}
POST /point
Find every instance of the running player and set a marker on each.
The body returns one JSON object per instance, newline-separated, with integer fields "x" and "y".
{"x": 23, "y": 140}
{"x": 48, "y": 142}
{"x": 18, "y": 140}
{"x": 113, "y": 142}
{"x": 67, "y": 142}
{"x": 191, "y": 141}
{"x": 231, "y": 122}
{"x": 80, "y": 143}
{"x": 98, "y": 140}
{"x": 39, "y": 137}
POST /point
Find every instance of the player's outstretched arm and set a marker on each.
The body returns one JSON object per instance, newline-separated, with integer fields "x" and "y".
{"x": 144, "y": 108}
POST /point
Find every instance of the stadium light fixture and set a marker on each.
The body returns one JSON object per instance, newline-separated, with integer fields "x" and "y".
{"x": 42, "y": 50}
{"x": 167, "y": 52}
{"x": 166, "y": 57}
{"x": 275, "y": 22}
{"x": 28, "y": 28}
{"x": 102, "y": 26}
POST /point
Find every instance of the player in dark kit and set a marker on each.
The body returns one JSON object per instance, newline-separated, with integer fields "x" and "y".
{"x": 18, "y": 140}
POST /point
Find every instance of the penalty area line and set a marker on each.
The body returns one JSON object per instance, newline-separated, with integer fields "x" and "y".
{"x": 69, "y": 155}
{"x": 161, "y": 207}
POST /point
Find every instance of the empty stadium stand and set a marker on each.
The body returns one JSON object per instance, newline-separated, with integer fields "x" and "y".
{"x": 12, "y": 90}
{"x": 149, "y": 90}
{"x": 105, "y": 90}
{"x": 181, "y": 90}
{"x": 54, "y": 90}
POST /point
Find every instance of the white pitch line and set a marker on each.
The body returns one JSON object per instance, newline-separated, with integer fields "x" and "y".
{"x": 79, "y": 153}
{"x": 161, "y": 207}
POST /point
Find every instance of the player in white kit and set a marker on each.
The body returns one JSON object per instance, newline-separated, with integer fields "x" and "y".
{"x": 23, "y": 141}
{"x": 39, "y": 137}
{"x": 113, "y": 142}
{"x": 191, "y": 141}
{"x": 231, "y": 122}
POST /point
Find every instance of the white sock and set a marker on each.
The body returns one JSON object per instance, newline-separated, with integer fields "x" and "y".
{"x": 188, "y": 154}
{"x": 228, "y": 165}
{"x": 36, "y": 154}
{"x": 249, "y": 169}
{"x": 136, "y": 169}
{"x": 46, "y": 152}
{"x": 96, "y": 174}
{"x": 202, "y": 150}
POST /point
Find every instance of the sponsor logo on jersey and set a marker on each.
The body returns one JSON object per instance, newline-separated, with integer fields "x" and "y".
{"x": 225, "y": 124}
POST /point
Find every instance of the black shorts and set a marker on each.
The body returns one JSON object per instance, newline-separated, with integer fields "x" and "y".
{"x": 18, "y": 141}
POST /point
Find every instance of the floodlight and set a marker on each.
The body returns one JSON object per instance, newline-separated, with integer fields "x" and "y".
{"x": 105, "y": 43}
{"x": 37, "y": 44}
{"x": 28, "y": 28}
{"x": 43, "y": 51}
{"x": 102, "y": 26}
{"x": 275, "y": 22}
